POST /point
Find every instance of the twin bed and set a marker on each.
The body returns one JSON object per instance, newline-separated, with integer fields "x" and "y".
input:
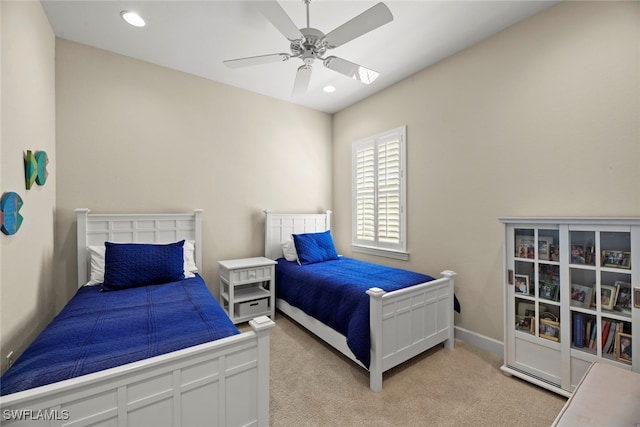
{"x": 377, "y": 316}
{"x": 161, "y": 353}
{"x": 159, "y": 350}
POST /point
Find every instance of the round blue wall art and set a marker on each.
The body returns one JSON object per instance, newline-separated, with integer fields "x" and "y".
{"x": 10, "y": 218}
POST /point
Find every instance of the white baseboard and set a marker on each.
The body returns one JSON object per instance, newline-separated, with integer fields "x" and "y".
{"x": 489, "y": 344}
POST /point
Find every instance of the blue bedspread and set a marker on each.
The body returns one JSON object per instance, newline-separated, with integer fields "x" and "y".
{"x": 334, "y": 292}
{"x": 99, "y": 330}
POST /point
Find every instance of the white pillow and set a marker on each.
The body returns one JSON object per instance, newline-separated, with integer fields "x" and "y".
{"x": 96, "y": 257}
{"x": 289, "y": 250}
{"x": 190, "y": 266}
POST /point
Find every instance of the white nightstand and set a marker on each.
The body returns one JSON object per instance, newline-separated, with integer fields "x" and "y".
{"x": 248, "y": 288}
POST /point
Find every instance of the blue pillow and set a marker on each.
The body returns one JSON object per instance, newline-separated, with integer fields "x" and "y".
{"x": 128, "y": 265}
{"x": 314, "y": 247}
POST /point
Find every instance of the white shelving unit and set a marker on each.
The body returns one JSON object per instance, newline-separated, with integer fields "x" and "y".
{"x": 247, "y": 288}
{"x": 571, "y": 290}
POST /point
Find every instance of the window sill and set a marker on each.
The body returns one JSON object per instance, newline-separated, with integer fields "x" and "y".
{"x": 388, "y": 253}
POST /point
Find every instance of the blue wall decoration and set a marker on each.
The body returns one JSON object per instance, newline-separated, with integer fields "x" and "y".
{"x": 10, "y": 218}
{"x": 35, "y": 168}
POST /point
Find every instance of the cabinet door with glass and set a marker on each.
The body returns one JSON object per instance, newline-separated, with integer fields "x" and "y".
{"x": 600, "y": 296}
{"x": 533, "y": 316}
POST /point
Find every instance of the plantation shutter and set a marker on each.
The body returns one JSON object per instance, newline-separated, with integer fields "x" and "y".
{"x": 378, "y": 192}
{"x": 365, "y": 194}
{"x": 389, "y": 192}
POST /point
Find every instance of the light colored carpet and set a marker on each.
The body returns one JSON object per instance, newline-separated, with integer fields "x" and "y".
{"x": 313, "y": 385}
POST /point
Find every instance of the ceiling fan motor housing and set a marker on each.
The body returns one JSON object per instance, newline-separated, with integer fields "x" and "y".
{"x": 311, "y": 47}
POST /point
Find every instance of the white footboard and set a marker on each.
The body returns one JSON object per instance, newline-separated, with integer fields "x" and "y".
{"x": 407, "y": 322}
{"x": 220, "y": 383}
{"x": 402, "y": 323}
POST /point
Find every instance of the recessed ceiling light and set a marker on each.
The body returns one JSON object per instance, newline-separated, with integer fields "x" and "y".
{"x": 329, "y": 89}
{"x": 132, "y": 18}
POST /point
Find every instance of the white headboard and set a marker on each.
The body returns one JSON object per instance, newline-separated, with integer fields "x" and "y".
{"x": 95, "y": 229}
{"x": 279, "y": 227}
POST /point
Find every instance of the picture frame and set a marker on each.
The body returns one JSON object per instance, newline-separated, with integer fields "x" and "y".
{"x": 624, "y": 347}
{"x": 581, "y": 295}
{"x": 523, "y": 323}
{"x": 549, "y": 329}
{"x": 623, "y": 296}
{"x": 526, "y": 309}
{"x": 525, "y": 246}
{"x": 616, "y": 259}
{"x": 545, "y": 244}
{"x": 550, "y": 291}
{"x": 529, "y": 309}
{"x": 522, "y": 284}
{"x": 577, "y": 254}
{"x": 532, "y": 331}
{"x": 607, "y": 296}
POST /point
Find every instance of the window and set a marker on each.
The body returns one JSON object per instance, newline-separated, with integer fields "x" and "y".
{"x": 378, "y": 212}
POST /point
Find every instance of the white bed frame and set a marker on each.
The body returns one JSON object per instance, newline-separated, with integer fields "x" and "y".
{"x": 219, "y": 383}
{"x": 403, "y": 323}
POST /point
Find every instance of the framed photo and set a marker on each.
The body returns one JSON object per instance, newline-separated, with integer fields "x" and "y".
{"x": 577, "y": 254}
{"x": 607, "y": 296}
{"x": 549, "y": 329}
{"x": 581, "y": 295}
{"x": 529, "y": 309}
{"x": 522, "y": 284}
{"x": 523, "y": 323}
{"x": 616, "y": 259}
{"x": 545, "y": 244}
{"x": 555, "y": 252}
{"x": 623, "y": 347}
{"x": 623, "y": 297}
{"x": 525, "y": 247}
{"x": 550, "y": 291}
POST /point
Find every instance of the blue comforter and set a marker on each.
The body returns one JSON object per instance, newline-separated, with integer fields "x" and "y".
{"x": 99, "y": 330}
{"x": 334, "y": 292}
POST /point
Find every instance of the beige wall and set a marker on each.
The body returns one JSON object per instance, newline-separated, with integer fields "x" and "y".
{"x": 136, "y": 137}
{"x": 540, "y": 120}
{"x": 27, "y": 291}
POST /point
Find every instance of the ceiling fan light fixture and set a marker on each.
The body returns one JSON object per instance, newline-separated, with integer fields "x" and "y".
{"x": 132, "y": 18}
{"x": 366, "y": 76}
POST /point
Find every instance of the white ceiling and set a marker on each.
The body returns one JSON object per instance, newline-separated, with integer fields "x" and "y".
{"x": 196, "y": 36}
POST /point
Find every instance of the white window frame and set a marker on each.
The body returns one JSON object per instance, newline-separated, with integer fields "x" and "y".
{"x": 375, "y": 247}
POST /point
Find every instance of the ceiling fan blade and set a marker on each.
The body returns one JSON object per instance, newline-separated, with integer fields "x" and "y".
{"x": 367, "y": 21}
{"x": 350, "y": 69}
{"x": 256, "y": 60}
{"x": 302, "y": 80}
{"x": 272, "y": 10}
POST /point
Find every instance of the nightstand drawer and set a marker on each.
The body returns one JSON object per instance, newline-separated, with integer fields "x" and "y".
{"x": 250, "y": 274}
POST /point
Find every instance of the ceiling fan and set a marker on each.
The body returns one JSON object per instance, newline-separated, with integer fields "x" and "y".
{"x": 310, "y": 44}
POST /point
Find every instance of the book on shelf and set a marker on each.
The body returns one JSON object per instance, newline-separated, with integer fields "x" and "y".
{"x": 605, "y": 331}
{"x": 578, "y": 330}
{"x": 592, "y": 339}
